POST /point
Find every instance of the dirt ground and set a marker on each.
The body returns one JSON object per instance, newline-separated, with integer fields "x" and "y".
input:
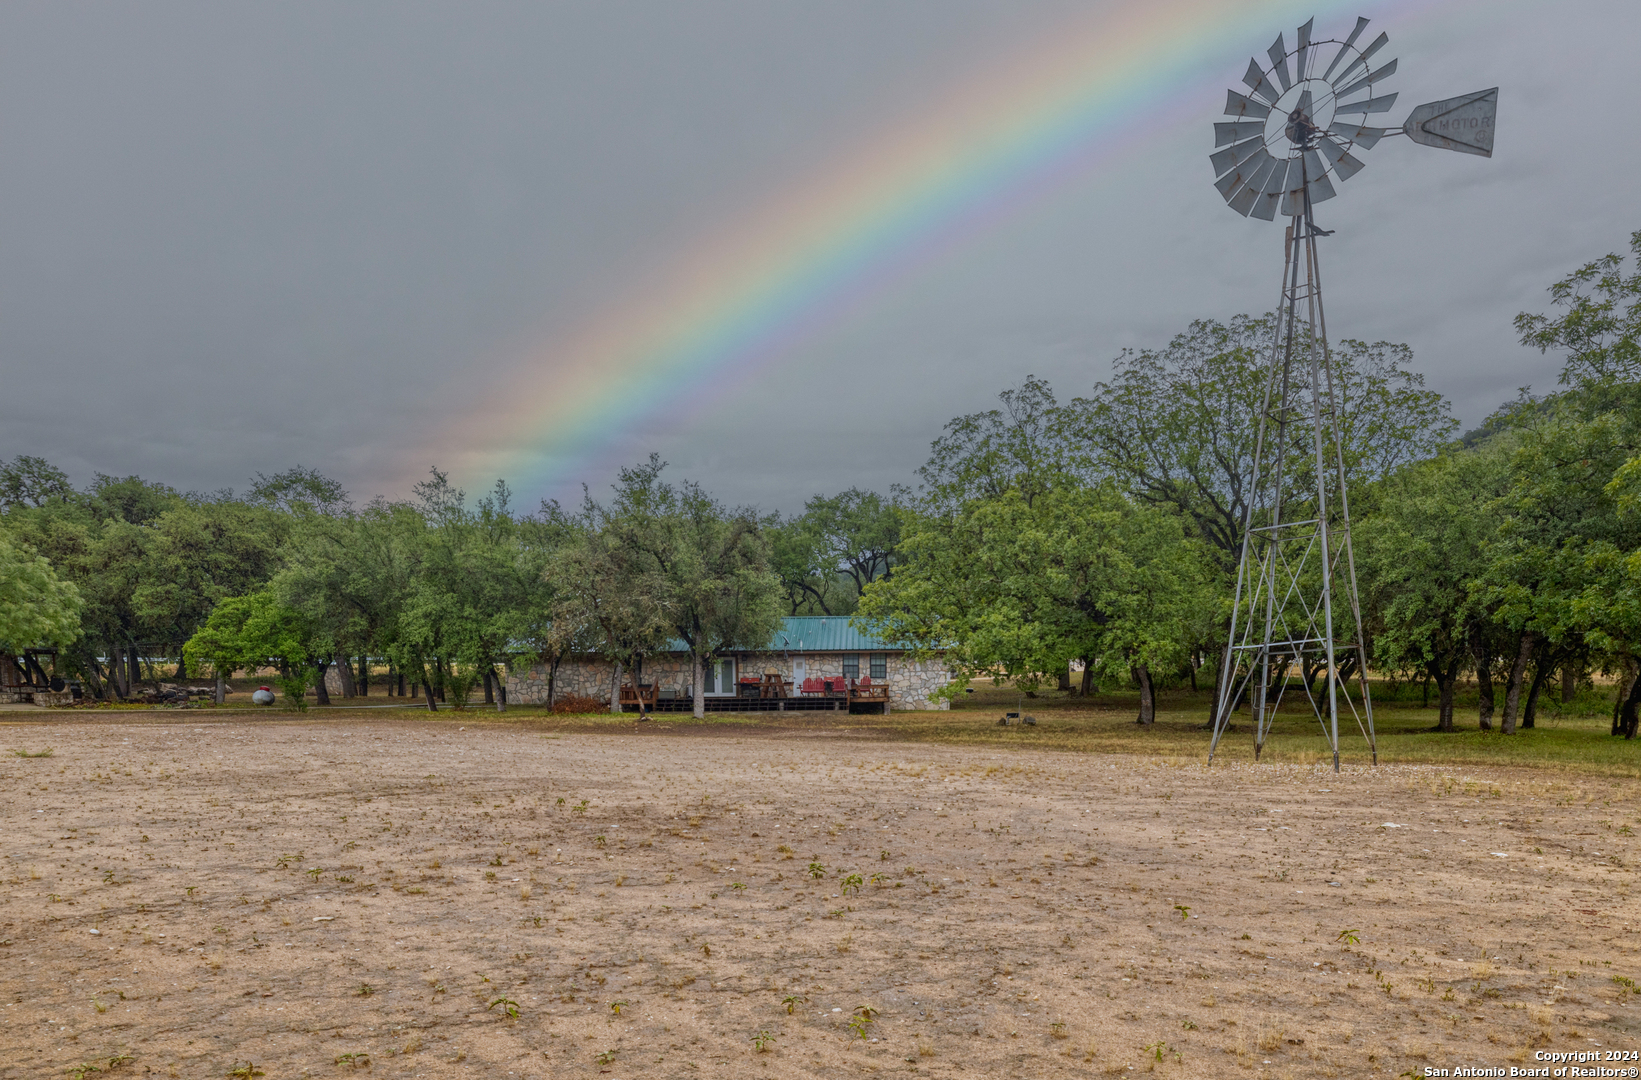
{"x": 378, "y": 895}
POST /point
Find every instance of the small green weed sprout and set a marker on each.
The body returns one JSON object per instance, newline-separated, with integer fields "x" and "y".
{"x": 606, "y": 1057}
{"x": 358, "y": 1059}
{"x": 47, "y": 752}
{"x": 509, "y": 1007}
{"x": 617, "y": 1006}
{"x": 792, "y": 1001}
{"x": 1349, "y": 937}
{"x": 762, "y": 1040}
{"x": 853, "y": 881}
{"x": 817, "y": 871}
{"x": 1184, "y": 912}
{"x": 245, "y": 1071}
{"x": 860, "y": 1023}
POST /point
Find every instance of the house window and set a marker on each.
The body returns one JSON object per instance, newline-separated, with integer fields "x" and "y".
{"x": 851, "y": 665}
{"x": 719, "y": 680}
{"x": 880, "y": 665}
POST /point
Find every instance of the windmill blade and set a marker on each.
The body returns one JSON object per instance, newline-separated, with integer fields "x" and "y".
{"x": 1277, "y": 181}
{"x": 1279, "y": 62}
{"x": 1302, "y": 51}
{"x": 1364, "y": 137}
{"x": 1367, "y": 54}
{"x": 1232, "y": 156}
{"x": 1378, "y": 104}
{"x": 1367, "y": 80}
{"x": 1293, "y": 191}
{"x": 1225, "y": 134}
{"x": 1344, "y": 50}
{"x": 1244, "y": 175}
{"x": 1244, "y": 201}
{"x": 1321, "y": 190}
{"x": 1237, "y": 105}
{"x": 1463, "y": 123}
{"x": 1265, "y": 206}
{"x": 1256, "y": 81}
{"x": 1344, "y": 165}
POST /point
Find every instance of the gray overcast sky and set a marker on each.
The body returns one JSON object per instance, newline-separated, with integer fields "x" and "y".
{"x": 236, "y": 237}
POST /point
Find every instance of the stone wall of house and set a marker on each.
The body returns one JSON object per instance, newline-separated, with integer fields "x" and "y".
{"x": 910, "y": 682}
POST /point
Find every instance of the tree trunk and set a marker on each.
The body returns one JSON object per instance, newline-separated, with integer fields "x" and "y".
{"x": 615, "y": 688}
{"x": 182, "y": 666}
{"x": 426, "y": 687}
{"x": 321, "y": 694}
{"x": 116, "y": 678}
{"x": 698, "y": 689}
{"x": 401, "y": 684}
{"x": 1541, "y": 671}
{"x": 501, "y": 691}
{"x": 1629, "y": 677}
{"x": 1629, "y": 713}
{"x": 1444, "y": 686}
{"x": 1087, "y": 687}
{"x": 345, "y": 670}
{"x": 1484, "y": 679}
{"x": 552, "y": 677}
{"x": 1518, "y": 673}
{"x": 438, "y": 678}
{"x": 1569, "y": 683}
{"x": 1148, "y": 698}
{"x": 135, "y": 661}
{"x": 220, "y": 696}
{"x": 489, "y": 685}
{"x": 362, "y": 680}
{"x": 1065, "y": 680}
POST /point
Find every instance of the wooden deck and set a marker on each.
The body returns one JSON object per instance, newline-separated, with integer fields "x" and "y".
{"x": 761, "y": 696}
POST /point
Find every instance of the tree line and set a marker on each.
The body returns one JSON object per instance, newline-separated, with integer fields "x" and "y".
{"x": 1098, "y": 533}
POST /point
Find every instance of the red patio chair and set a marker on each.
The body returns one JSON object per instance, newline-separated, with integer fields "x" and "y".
{"x": 813, "y": 686}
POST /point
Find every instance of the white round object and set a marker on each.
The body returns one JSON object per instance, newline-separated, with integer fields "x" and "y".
{"x": 262, "y": 697}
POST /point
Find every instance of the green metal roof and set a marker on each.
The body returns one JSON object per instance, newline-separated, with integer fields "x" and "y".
{"x": 822, "y": 633}
{"x": 814, "y": 633}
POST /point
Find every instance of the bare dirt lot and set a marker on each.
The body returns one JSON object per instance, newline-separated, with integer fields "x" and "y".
{"x": 452, "y": 897}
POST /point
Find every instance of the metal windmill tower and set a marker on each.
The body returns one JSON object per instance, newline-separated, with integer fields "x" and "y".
{"x": 1296, "y": 604}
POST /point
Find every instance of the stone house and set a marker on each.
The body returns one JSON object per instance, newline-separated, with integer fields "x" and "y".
{"x": 805, "y": 647}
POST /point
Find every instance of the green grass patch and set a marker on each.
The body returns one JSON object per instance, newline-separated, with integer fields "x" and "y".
{"x": 1573, "y": 737}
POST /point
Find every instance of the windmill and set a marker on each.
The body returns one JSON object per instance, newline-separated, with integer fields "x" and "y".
{"x": 1298, "y": 130}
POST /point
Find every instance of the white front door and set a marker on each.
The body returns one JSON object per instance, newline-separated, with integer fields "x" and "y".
{"x": 720, "y": 678}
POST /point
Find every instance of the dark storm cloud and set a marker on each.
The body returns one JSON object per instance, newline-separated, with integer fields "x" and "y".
{"x": 237, "y": 237}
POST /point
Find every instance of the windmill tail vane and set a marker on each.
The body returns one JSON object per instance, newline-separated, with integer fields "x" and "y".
{"x": 1307, "y": 115}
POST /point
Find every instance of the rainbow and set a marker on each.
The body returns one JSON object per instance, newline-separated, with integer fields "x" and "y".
{"x": 747, "y": 295}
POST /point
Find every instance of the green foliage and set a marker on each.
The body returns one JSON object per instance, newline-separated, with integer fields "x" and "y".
{"x": 31, "y": 481}
{"x": 826, "y": 556}
{"x": 688, "y": 567}
{"x": 37, "y": 607}
{"x": 258, "y": 631}
{"x": 1017, "y": 588}
{"x": 1177, "y": 426}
